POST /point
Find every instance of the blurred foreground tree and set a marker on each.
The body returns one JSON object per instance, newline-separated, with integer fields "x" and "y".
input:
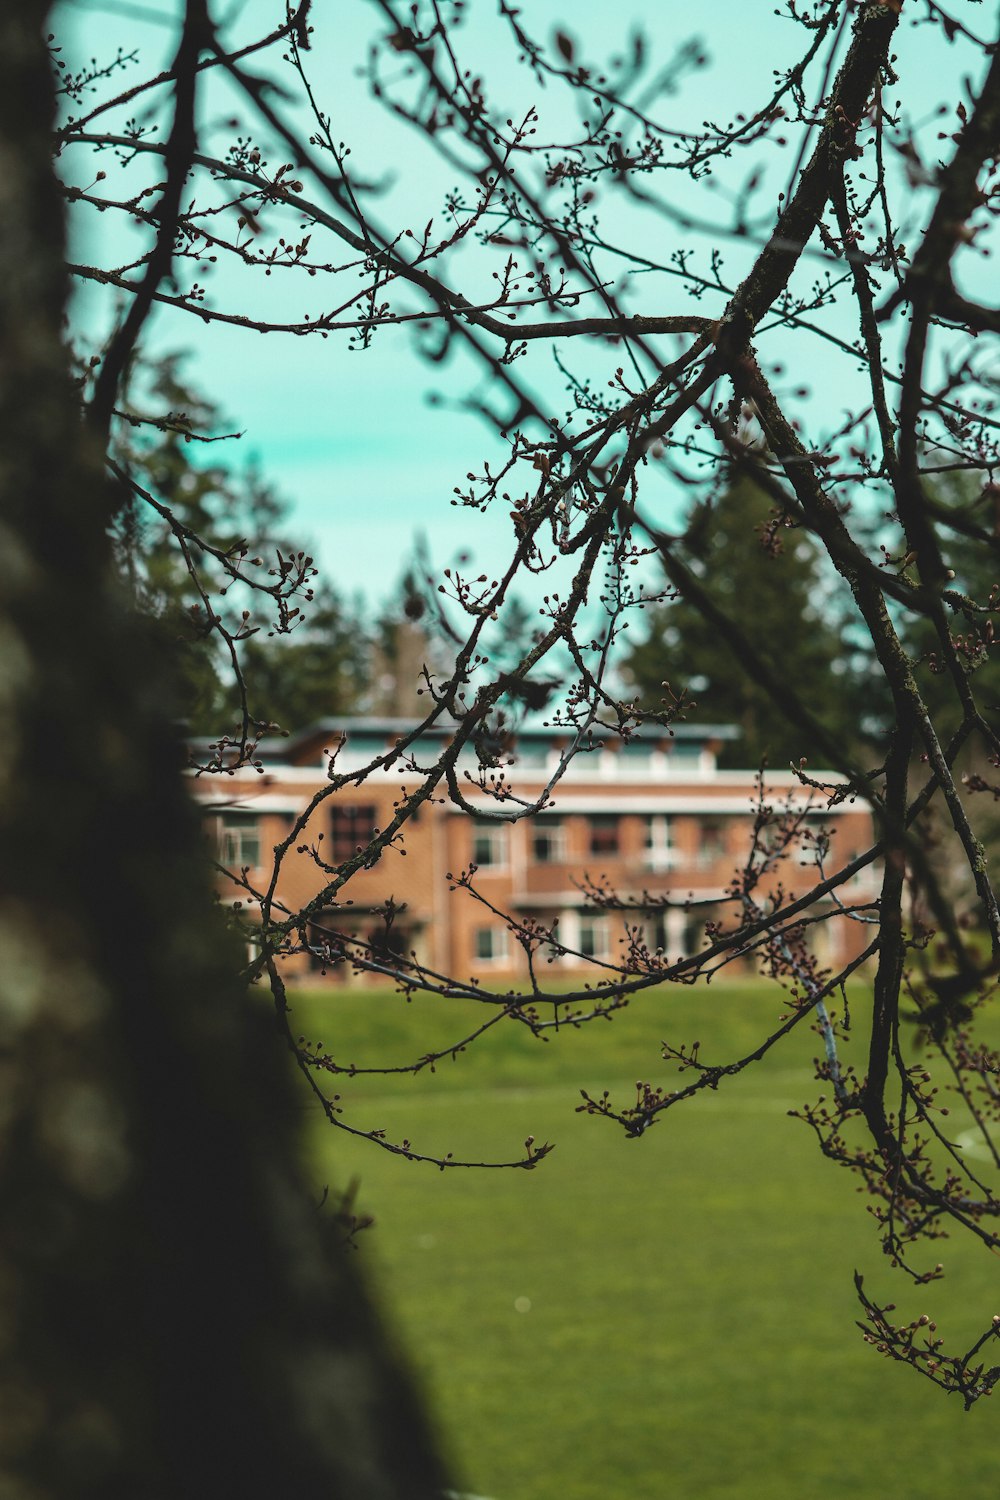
{"x": 853, "y": 241}
{"x": 178, "y": 1319}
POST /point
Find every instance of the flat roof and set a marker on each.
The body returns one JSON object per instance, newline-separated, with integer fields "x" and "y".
{"x": 363, "y": 724}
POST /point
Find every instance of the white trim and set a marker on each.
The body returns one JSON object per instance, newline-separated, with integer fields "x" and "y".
{"x": 242, "y": 802}
{"x": 228, "y": 797}
{"x": 676, "y": 922}
{"x": 570, "y": 901}
{"x": 580, "y": 770}
{"x": 568, "y": 930}
{"x": 312, "y": 776}
{"x": 780, "y": 778}
{"x": 604, "y": 801}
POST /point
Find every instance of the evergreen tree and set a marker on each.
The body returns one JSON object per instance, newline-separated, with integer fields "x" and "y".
{"x": 320, "y": 669}
{"x": 969, "y": 514}
{"x": 769, "y": 576}
{"x": 320, "y": 666}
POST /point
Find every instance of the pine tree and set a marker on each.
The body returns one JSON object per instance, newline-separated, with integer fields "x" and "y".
{"x": 317, "y": 668}
{"x": 769, "y": 576}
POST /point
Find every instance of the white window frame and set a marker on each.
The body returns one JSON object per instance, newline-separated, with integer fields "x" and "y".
{"x": 595, "y": 935}
{"x": 352, "y": 827}
{"x": 605, "y": 821}
{"x": 659, "y": 852}
{"x": 239, "y": 837}
{"x": 498, "y": 944}
{"x": 554, "y": 830}
{"x": 497, "y": 839}
{"x": 711, "y": 856}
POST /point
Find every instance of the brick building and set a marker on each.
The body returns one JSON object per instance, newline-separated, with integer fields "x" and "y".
{"x": 653, "y": 816}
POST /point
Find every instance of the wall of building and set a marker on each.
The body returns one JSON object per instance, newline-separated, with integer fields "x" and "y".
{"x": 656, "y": 823}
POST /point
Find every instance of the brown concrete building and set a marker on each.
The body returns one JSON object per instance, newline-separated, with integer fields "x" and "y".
{"x": 651, "y": 819}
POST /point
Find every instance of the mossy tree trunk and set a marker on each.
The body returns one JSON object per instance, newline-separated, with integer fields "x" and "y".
{"x": 174, "y": 1319}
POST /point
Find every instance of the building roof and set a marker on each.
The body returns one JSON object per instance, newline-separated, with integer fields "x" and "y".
{"x": 536, "y": 731}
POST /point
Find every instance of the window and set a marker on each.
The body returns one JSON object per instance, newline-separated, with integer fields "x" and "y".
{"x": 390, "y": 941}
{"x": 635, "y": 756}
{"x": 654, "y": 932}
{"x": 604, "y": 834}
{"x": 711, "y": 841}
{"x": 239, "y": 841}
{"x": 594, "y": 937}
{"x": 489, "y": 843}
{"x": 548, "y": 841}
{"x": 490, "y": 944}
{"x": 351, "y": 828}
{"x": 695, "y": 933}
{"x": 658, "y": 840}
{"x": 325, "y": 949}
{"x": 531, "y": 757}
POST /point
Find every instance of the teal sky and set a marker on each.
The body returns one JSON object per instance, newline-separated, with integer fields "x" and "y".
{"x": 350, "y": 437}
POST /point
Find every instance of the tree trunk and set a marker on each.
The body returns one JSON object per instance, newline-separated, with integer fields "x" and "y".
{"x": 174, "y": 1318}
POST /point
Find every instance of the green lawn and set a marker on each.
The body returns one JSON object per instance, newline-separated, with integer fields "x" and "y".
{"x": 673, "y": 1315}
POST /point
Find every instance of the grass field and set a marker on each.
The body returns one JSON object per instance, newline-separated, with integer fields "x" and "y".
{"x": 668, "y": 1316}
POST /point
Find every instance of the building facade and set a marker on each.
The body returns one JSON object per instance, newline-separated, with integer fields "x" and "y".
{"x": 646, "y": 837}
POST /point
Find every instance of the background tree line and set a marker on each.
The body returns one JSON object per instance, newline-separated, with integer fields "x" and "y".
{"x": 348, "y": 655}
{"x": 338, "y": 655}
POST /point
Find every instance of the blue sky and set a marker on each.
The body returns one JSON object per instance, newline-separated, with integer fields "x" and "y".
{"x": 350, "y": 437}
